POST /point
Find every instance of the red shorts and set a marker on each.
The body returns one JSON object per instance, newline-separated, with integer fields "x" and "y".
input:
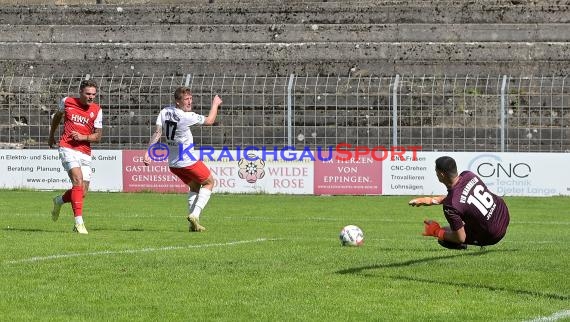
{"x": 198, "y": 172}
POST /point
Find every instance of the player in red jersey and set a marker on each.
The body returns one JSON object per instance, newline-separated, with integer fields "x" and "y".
{"x": 475, "y": 215}
{"x": 82, "y": 125}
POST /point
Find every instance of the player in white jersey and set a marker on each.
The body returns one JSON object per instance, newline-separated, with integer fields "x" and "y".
{"x": 174, "y": 122}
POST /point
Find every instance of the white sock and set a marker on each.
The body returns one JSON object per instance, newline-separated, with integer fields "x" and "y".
{"x": 203, "y": 198}
{"x": 192, "y": 197}
{"x": 79, "y": 220}
{"x": 59, "y": 200}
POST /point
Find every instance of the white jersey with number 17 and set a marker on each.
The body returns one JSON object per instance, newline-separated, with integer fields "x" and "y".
{"x": 175, "y": 125}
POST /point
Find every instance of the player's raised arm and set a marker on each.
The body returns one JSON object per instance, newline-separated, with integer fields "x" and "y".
{"x": 216, "y": 102}
{"x": 426, "y": 201}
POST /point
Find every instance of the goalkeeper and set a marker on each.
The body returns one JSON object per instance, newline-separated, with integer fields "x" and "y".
{"x": 475, "y": 215}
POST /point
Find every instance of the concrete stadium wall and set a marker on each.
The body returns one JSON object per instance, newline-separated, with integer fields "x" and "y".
{"x": 284, "y": 37}
{"x": 260, "y": 37}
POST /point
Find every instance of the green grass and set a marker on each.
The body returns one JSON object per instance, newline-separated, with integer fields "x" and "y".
{"x": 273, "y": 258}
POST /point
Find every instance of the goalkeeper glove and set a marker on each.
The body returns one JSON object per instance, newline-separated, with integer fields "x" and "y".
{"x": 432, "y": 228}
{"x": 425, "y": 201}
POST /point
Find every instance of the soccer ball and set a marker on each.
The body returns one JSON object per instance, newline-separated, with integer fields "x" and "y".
{"x": 351, "y": 235}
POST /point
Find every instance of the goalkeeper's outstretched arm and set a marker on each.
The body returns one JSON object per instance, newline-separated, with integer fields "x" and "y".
{"x": 426, "y": 201}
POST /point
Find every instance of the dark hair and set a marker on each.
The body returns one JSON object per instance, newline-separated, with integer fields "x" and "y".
{"x": 446, "y": 165}
{"x": 181, "y": 91}
{"x": 87, "y": 83}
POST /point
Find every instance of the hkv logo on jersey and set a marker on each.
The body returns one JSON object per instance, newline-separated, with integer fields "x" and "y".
{"x": 80, "y": 119}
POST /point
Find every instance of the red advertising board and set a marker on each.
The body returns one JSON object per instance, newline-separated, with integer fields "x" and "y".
{"x": 362, "y": 176}
{"x": 155, "y": 177}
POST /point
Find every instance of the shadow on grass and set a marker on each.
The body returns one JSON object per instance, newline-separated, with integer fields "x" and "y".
{"x": 126, "y": 229}
{"x": 37, "y": 230}
{"x": 33, "y": 230}
{"x": 362, "y": 270}
{"x": 484, "y": 287}
{"x": 356, "y": 270}
{"x": 138, "y": 229}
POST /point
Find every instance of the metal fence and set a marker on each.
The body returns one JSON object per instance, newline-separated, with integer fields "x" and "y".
{"x": 445, "y": 113}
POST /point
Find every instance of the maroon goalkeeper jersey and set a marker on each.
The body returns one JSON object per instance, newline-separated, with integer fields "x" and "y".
{"x": 471, "y": 205}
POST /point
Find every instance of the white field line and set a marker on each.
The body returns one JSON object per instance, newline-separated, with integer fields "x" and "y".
{"x": 554, "y": 317}
{"x": 132, "y": 251}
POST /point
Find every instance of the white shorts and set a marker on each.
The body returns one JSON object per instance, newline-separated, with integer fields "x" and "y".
{"x": 74, "y": 159}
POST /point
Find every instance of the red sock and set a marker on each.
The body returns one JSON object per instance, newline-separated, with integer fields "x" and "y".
{"x": 66, "y": 196}
{"x": 77, "y": 200}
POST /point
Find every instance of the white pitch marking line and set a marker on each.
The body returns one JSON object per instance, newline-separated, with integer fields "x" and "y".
{"x": 554, "y": 317}
{"x": 132, "y": 251}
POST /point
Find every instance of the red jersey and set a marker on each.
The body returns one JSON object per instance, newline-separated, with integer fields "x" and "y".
{"x": 79, "y": 118}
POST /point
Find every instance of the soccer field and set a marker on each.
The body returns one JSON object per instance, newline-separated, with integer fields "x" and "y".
{"x": 274, "y": 258}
